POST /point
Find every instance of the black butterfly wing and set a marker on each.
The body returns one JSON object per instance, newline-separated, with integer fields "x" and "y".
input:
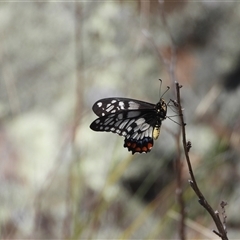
{"x": 107, "y": 106}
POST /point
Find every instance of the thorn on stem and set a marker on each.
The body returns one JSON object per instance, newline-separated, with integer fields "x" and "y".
{"x": 189, "y": 145}
{"x": 223, "y": 204}
{"x": 191, "y": 183}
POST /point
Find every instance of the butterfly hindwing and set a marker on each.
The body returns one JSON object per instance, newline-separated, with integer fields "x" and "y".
{"x": 123, "y": 123}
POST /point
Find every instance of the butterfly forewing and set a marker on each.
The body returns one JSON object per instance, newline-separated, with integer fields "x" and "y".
{"x": 112, "y": 105}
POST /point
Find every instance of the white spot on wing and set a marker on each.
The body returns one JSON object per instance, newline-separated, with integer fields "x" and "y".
{"x": 109, "y": 108}
{"x": 129, "y": 129}
{"x": 133, "y": 105}
{"x": 99, "y": 104}
{"x": 150, "y": 131}
{"x": 123, "y": 124}
{"x": 140, "y": 121}
{"x": 134, "y": 135}
{"x": 144, "y": 127}
{"x": 113, "y": 101}
{"x": 121, "y": 104}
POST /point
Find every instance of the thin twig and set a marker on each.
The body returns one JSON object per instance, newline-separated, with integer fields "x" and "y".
{"x": 202, "y": 200}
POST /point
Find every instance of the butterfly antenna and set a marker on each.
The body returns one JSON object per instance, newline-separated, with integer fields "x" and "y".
{"x": 161, "y": 88}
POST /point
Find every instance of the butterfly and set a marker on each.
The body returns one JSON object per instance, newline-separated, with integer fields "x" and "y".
{"x": 137, "y": 121}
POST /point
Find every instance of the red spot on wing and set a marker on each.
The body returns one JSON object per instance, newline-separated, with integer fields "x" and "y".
{"x": 150, "y": 145}
{"x": 140, "y": 146}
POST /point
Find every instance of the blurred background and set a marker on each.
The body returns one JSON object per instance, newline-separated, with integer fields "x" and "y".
{"x": 58, "y": 178}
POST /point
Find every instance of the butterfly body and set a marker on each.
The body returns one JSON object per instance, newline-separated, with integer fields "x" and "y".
{"x": 139, "y": 122}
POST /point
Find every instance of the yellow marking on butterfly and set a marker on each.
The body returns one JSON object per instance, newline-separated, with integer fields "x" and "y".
{"x": 156, "y": 132}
